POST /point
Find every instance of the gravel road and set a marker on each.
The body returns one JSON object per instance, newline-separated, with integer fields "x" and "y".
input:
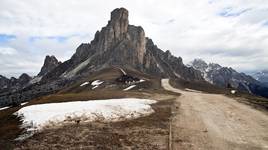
{"x": 213, "y": 121}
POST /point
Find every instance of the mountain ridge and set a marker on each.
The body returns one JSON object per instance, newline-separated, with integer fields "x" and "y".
{"x": 13, "y": 84}
{"x": 228, "y": 77}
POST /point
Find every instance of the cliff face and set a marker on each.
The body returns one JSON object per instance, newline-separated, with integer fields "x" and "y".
{"x": 123, "y": 45}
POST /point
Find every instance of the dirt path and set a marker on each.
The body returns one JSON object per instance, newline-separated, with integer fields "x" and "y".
{"x": 213, "y": 121}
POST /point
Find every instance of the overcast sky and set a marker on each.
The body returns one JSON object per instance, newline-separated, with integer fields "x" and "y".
{"x": 229, "y": 32}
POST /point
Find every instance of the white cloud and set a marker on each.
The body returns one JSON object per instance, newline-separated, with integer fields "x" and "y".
{"x": 7, "y": 51}
{"x": 188, "y": 28}
{"x": 30, "y": 55}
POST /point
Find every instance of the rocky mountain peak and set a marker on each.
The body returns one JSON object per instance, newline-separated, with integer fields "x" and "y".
{"x": 24, "y": 79}
{"x": 116, "y": 30}
{"x": 50, "y": 63}
{"x": 119, "y": 18}
{"x": 199, "y": 64}
{"x": 24, "y": 76}
{"x": 214, "y": 66}
{"x": 13, "y": 79}
{"x": 117, "y": 43}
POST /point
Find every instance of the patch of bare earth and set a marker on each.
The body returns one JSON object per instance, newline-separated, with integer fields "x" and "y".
{"x": 149, "y": 132}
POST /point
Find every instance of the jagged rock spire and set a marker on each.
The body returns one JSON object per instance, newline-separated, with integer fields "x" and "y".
{"x": 50, "y": 63}
{"x": 119, "y": 21}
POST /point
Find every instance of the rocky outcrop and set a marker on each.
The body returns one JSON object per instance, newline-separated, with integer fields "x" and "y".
{"x": 50, "y": 63}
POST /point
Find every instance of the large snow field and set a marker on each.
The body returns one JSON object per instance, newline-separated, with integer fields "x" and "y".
{"x": 36, "y": 117}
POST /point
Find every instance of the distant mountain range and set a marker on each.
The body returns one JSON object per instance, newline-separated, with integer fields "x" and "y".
{"x": 118, "y": 44}
{"x": 228, "y": 77}
{"x": 262, "y": 76}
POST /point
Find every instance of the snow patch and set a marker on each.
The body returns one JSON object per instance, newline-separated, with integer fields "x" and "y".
{"x": 141, "y": 80}
{"x": 159, "y": 67}
{"x": 177, "y": 75}
{"x": 130, "y": 87}
{"x": 206, "y": 77}
{"x": 36, "y": 117}
{"x": 191, "y": 90}
{"x": 124, "y": 73}
{"x": 3, "y": 108}
{"x": 85, "y": 83}
{"x": 233, "y": 91}
{"x": 23, "y": 103}
{"x": 96, "y": 83}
